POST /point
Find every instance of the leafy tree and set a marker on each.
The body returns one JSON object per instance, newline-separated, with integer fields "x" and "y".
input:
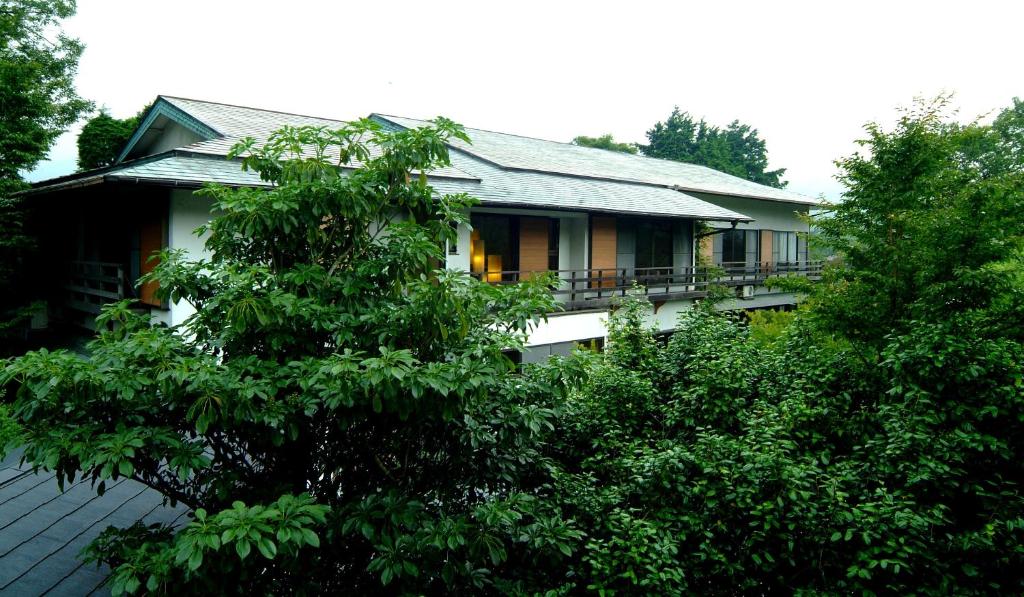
{"x": 37, "y": 71}
{"x": 928, "y": 225}
{"x": 339, "y": 414}
{"x": 736, "y": 150}
{"x": 38, "y": 102}
{"x": 604, "y": 142}
{"x": 103, "y": 137}
{"x": 870, "y": 443}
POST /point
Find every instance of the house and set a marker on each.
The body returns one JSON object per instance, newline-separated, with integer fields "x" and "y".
{"x": 602, "y": 220}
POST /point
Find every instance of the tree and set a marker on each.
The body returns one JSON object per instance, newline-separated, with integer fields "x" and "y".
{"x": 339, "y": 413}
{"x": 102, "y": 139}
{"x": 36, "y": 82}
{"x": 604, "y": 142}
{"x": 736, "y": 150}
{"x": 927, "y": 214}
{"x": 870, "y": 444}
{"x": 38, "y": 102}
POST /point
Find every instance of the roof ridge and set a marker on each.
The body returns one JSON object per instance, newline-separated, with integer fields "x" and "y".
{"x": 190, "y": 99}
{"x": 571, "y": 144}
{"x": 473, "y": 128}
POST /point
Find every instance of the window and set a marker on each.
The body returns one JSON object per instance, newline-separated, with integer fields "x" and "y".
{"x": 734, "y": 246}
{"x": 493, "y": 247}
{"x": 553, "y": 234}
{"x": 653, "y": 244}
{"x": 784, "y": 247}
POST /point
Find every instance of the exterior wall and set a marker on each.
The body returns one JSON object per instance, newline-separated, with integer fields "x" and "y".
{"x": 567, "y": 327}
{"x": 767, "y": 215}
{"x": 186, "y": 212}
{"x": 172, "y": 137}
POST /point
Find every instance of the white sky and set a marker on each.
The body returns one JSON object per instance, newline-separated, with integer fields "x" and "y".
{"x": 808, "y": 75}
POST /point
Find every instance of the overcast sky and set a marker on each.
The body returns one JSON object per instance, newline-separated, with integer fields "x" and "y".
{"x": 807, "y": 75}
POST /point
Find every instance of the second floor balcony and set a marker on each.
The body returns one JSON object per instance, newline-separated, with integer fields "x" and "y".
{"x": 595, "y": 288}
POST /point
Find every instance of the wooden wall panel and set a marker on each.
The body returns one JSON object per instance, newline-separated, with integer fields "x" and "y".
{"x": 603, "y": 248}
{"x": 533, "y": 244}
{"x": 151, "y": 239}
{"x": 766, "y": 247}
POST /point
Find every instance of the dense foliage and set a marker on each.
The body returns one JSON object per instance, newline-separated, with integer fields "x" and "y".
{"x": 38, "y": 102}
{"x": 872, "y": 443}
{"x": 339, "y": 413}
{"x": 737, "y": 149}
{"x": 103, "y": 137}
{"x": 604, "y": 142}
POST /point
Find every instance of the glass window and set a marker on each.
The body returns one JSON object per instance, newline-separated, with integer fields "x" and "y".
{"x": 734, "y": 246}
{"x": 493, "y": 247}
{"x": 553, "y": 238}
{"x": 653, "y": 244}
{"x": 784, "y": 247}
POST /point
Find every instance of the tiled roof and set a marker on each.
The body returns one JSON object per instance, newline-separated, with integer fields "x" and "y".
{"x": 43, "y": 530}
{"x": 494, "y": 187}
{"x": 505, "y": 188}
{"x": 497, "y": 168}
{"x": 526, "y": 153}
{"x": 238, "y": 122}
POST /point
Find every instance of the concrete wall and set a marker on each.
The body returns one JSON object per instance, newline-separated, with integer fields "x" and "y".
{"x": 186, "y": 212}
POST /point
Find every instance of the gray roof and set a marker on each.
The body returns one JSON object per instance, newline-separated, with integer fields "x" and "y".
{"x": 497, "y": 168}
{"x": 237, "y": 122}
{"x": 43, "y": 530}
{"x": 505, "y": 188}
{"x": 526, "y": 153}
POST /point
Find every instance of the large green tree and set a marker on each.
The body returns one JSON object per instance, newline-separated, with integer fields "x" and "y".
{"x": 873, "y": 446}
{"x": 339, "y": 414}
{"x": 737, "y": 149}
{"x": 604, "y": 142}
{"x": 38, "y": 102}
{"x": 103, "y": 138}
{"x": 38, "y": 63}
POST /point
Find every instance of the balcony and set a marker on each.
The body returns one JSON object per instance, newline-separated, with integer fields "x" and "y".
{"x": 595, "y": 288}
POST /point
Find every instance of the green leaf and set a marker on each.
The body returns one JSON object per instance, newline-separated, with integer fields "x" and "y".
{"x": 243, "y": 547}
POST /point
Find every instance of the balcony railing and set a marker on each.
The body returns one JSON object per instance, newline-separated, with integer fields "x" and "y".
{"x": 592, "y": 288}
{"x": 89, "y": 286}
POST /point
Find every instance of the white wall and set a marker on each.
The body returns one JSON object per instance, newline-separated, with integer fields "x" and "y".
{"x": 768, "y": 215}
{"x": 173, "y": 136}
{"x": 186, "y": 212}
{"x": 565, "y": 327}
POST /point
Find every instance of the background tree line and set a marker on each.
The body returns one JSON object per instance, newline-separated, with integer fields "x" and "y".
{"x": 736, "y": 149}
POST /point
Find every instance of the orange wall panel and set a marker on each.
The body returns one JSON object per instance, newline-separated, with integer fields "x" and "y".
{"x": 533, "y": 244}
{"x": 766, "y": 247}
{"x": 151, "y": 239}
{"x": 603, "y": 241}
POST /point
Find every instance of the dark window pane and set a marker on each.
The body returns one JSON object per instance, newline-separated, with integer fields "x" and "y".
{"x": 734, "y": 246}
{"x": 553, "y": 234}
{"x": 653, "y": 244}
{"x": 494, "y": 248}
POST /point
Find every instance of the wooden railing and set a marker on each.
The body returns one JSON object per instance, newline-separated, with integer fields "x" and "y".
{"x": 580, "y": 289}
{"x": 90, "y": 285}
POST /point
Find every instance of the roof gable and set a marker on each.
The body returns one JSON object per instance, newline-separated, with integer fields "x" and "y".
{"x": 154, "y": 124}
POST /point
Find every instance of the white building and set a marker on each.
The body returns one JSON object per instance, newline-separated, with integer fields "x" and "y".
{"x": 603, "y": 220}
